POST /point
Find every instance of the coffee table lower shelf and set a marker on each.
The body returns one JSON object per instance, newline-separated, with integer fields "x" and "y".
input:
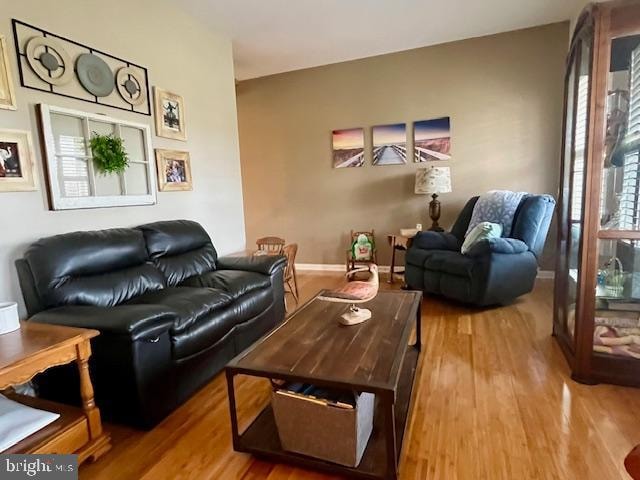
{"x": 261, "y": 437}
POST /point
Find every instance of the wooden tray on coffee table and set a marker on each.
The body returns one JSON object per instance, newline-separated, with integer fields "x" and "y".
{"x": 312, "y": 347}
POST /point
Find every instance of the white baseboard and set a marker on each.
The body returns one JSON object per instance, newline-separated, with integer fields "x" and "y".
{"x": 334, "y": 267}
{"x": 339, "y": 267}
{"x": 546, "y": 274}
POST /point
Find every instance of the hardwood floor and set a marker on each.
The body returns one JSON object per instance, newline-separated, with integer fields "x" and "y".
{"x": 493, "y": 401}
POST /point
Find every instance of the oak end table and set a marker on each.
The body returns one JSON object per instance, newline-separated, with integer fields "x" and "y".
{"x": 397, "y": 242}
{"x": 32, "y": 349}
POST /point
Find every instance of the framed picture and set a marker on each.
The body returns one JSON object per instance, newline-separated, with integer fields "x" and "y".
{"x": 169, "y": 115}
{"x": 7, "y": 94}
{"x": 348, "y": 148}
{"x": 390, "y": 144}
{"x": 174, "y": 170}
{"x": 16, "y": 161}
{"x": 432, "y": 140}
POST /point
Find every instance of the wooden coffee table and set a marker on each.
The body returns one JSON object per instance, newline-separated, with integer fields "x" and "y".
{"x": 312, "y": 347}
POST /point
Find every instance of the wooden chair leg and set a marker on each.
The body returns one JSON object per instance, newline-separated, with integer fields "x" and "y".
{"x": 292, "y": 289}
{"x": 295, "y": 284}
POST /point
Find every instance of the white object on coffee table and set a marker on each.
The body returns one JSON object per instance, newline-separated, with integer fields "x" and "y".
{"x": 9, "y": 320}
{"x": 355, "y": 315}
{"x": 353, "y": 293}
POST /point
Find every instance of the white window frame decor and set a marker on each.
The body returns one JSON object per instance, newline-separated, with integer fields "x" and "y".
{"x": 60, "y": 202}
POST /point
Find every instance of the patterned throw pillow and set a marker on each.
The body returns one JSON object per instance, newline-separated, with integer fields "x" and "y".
{"x": 481, "y": 231}
{"x": 496, "y": 206}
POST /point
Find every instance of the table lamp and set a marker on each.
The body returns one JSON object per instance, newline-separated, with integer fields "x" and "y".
{"x": 433, "y": 180}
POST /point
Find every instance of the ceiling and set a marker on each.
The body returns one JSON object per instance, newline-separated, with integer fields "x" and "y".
{"x": 274, "y": 36}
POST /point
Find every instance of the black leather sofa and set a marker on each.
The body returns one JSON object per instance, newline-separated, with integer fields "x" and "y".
{"x": 170, "y": 312}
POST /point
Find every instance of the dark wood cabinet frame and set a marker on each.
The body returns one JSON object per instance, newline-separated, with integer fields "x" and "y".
{"x": 597, "y": 26}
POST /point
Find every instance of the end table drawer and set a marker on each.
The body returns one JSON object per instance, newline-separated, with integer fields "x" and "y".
{"x": 72, "y": 439}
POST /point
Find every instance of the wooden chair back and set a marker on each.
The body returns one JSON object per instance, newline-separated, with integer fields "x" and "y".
{"x": 271, "y": 245}
{"x": 290, "y": 252}
{"x": 371, "y": 235}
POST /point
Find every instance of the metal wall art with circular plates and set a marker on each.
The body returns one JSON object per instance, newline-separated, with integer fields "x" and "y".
{"x": 95, "y": 75}
{"x": 51, "y": 63}
{"x": 49, "y": 60}
{"x": 131, "y": 86}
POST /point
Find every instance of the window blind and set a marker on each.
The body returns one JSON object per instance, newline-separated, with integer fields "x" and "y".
{"x": 73, "y": 168}
{"x": 629, "y": 197}
{"x": 579, "y": 152}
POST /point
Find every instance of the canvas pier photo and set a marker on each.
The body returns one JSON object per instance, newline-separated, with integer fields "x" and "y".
{"x": 390, "y": 144}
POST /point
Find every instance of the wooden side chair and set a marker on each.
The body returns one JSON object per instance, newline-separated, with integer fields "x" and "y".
{"x": 362, "y": 260}
{"x": 290, "y": 278}
{"x": 270, "y": 245}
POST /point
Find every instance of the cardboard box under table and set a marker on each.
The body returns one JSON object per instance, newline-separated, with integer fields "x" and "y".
{"x": 321, "y": 429}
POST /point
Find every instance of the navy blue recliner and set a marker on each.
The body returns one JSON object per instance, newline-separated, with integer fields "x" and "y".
{"x": 494, "y": 271}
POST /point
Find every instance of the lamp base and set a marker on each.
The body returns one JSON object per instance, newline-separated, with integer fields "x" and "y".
{"x": 434, "y": 213}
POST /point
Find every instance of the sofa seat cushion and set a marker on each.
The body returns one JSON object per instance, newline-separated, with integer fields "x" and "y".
{"x": 191, "y": 305}
{"x": 235, "y": 283}
{"x": 253, "y": 303}
{"x": 453, "y": 263}
{"x": 213, "y": 328}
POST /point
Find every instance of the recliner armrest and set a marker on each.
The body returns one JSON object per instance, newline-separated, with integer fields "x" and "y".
{"x": 265, "y": 264}
{"x": 430, "y": 240}
{"x": 135, "y": 321}
{"x": 497, "y": 245}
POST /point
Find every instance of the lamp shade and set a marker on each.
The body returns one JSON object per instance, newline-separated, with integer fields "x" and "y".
{"x": 433, "y": 180}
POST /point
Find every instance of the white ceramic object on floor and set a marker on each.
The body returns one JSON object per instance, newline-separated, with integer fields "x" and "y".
{"x": 355, "y": 316}
{"x": 9, "y": 320}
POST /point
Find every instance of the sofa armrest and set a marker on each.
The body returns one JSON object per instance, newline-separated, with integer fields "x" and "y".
{"x": 430, "y": 240}
{"x": 497, "y": 245}
{"x": 265, "y": 264}
{"x": 134, "y": 321}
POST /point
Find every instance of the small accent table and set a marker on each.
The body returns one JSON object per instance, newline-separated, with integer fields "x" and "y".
{"x": 34, "y": 348}
{"x": 397, "y": 242}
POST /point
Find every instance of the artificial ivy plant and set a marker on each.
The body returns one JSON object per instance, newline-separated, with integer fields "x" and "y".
{"x": 109, "y": 154}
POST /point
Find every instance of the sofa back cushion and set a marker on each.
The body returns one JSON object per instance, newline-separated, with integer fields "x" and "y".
{"x": 461, "y": 225}
{"x": 101, "y": 268}
{"x": 532, "y": 221}
{"x": 180, "y": 249}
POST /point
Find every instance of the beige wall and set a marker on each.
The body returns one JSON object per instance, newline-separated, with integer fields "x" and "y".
{"x": 502, "y": 92}
{"x": 181, "y": 56}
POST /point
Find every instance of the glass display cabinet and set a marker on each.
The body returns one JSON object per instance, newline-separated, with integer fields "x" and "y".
{"x": 597, "y": 288}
